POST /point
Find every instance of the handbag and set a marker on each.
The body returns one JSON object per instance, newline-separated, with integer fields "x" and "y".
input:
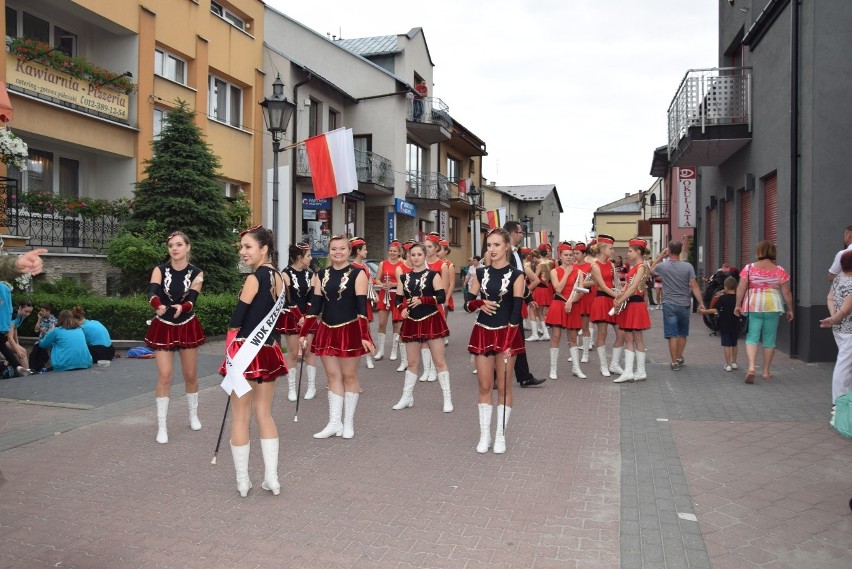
{"x": 842, "y": 421}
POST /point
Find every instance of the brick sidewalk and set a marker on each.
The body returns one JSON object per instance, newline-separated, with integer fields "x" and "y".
{"x": 596, "y": 475}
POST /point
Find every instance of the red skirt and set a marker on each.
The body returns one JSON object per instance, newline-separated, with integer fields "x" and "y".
{"x": 635, "y": 316}
{"x": 586, "y": 302}
{"x": 387, "y": 301}
{"x": 268, "y": 364}
{"x": 342, "y": 341}
{"x": 429, "y": 328}
{"x": 542, "y": 295}
{"x": 556, "y": 315}
{"x": 287, "y": 324}
{"x": 164, "y": 335}
{"x": 488, "y": 342}
{"x": 601, "y": 308}
{"x": 573, "y": 319}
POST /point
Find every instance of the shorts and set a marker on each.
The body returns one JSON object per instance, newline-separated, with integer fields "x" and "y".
{"x": 729, "y": 340}
{"x": 675, "y": 320}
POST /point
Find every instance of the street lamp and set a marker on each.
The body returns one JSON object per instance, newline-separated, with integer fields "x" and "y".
{"x": 277, "y": 111}
{"x": 525, "y": 224}
{"x": 474, "y": 194}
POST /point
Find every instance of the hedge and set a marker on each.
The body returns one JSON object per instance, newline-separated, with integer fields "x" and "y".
{"x": 126, "y": 317}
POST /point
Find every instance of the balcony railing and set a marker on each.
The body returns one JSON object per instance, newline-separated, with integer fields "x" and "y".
{"x": 427, "y": 186}
{"x": 660, "y": 209}
{"x": 372, "y": 168}
{"x": 709, "y": 97}
{"x": 431, "y": 110}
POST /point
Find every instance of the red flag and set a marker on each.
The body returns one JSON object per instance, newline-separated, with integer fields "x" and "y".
{"x": 332, "y": 160}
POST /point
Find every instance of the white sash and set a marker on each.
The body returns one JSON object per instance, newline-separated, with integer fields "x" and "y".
{"x": 235, "y": 380}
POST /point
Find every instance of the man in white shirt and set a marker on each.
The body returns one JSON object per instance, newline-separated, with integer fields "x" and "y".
{"x": 834, "y": 270}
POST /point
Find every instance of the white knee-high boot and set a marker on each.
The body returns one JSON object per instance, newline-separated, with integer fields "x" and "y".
{"x": 350, "y": 402}
{"x": 484, "y": 428}
{"x": 554, "y": 362}
{"x": 241, "y": 459}
{"x": 545, "y": 333}
{"x": 575, "y": 363}
{"x": 291, "y": 386}
{"x": 426, "y": 358}
{"x": 335, "y": 410}
{"x": 380, "y": 346}
{"x": 444, "y": 380}
{"x": 269, "y": 448}
{"x": 370, "y": 364}
{"x": 311, "y": 392}
{"x": 587, "y": 343}
{"x": 394, "y": 347}
{"x": 503, "y": 413}
{"x": 603, "y": 361}
{"x": 162, "y": 414}
{"x": 534, "y": 336}
{"x": 640, "y": 367}
{"x": 407, "y": 399}
{"x": 192, "y": 402}
{"x": 403, "y": 358}
{"x": 615, "y": 364}
{"x": 627, "y": 374}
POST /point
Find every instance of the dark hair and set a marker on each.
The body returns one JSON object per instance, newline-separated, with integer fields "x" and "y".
{"x": 47, "y": 306}
{"x": 264, "y": 238}
{"x": 358, "y": 248}
{"x": 675, "y": 247}
{"x": 419, "y": 245}
{"x": 297, "y": 253}
{"x": 66, "y": 320}
{"x": 477, "y": 257}
{"x": 512, "y": 226}
{"x": 24, "y": 304}
{"x": 766, "y": 250}
{"x": 730, "y": 283}
{"x": 846, "y": 262}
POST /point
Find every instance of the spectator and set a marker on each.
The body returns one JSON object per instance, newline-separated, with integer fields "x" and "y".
{"x": 420, "y": 93}
{"x": 840, "y": 320}
{"x": 97, "y": 336}
{"x": 759, "y": 293}
{"x": 5, "y": 325}
{"x": 469, "y": 271}
{"x": 835, "y": 268}
{"x": 729, "y": 323}
{"x": 28, "y": 263}
{"x": 25, "y": 308}
{"x": 678, "y": 281}
{"x": 658, "y": 292}
{"x": 39, "y": 357}
{"x": 68, "y": 344}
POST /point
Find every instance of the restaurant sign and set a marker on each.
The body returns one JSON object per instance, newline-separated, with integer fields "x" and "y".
{"x": 33, "y": 78}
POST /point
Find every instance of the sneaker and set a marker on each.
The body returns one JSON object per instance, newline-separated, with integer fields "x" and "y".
{"x": 734, "y": 365}
{"x": 728, "y": 368}
{"x": 675, "y": 366}
{"x": 24, "y": 371}
{"x": 680, "y": 360}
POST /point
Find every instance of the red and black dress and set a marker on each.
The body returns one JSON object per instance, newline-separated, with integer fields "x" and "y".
{"x": 168, "y": 332}
{"x": 424, "y": 322}
{"x": 438, "y": 267}
{"x": 387, "y": 298}
{"x": 556, "y": 316}
{"x": 338, "y": 317}
{"x": 269, "y": 362}
{"x": 298, "y": 295}
{"x": 495, "y": 333}
{"x": 369, "y": 278}
{"x": 602, "y": 301}
{"x": 635, "y": 314}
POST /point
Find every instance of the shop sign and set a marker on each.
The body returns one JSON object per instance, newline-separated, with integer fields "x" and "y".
{"x": 316, "y": 224}
{"x": 686, "y": 197}
{"x": 356, "y": 195}
{"x": 405, "y": 208}
{"x": 391, "y": 226}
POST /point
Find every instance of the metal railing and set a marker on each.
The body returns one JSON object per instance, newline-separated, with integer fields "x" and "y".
{"x": 427, "y": 186}
{"x": 371, "y": 168}
{"x": 431, "y": 110}
{"x": 660, "y": 209}
{"x": 709, "y": 97}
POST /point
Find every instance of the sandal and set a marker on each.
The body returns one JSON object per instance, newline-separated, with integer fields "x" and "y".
{"x": 749, "y": 378}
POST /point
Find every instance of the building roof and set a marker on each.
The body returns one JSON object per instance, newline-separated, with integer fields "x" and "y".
{"x": 365, "y": 47}
{"x": 310, "y": 71}
{"x": 531, "y": 193}
{"x": 627, "y": 204}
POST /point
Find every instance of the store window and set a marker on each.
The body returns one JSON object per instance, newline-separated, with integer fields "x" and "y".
{"x": 316, "y": 224}
{"x": 69, "y": 178}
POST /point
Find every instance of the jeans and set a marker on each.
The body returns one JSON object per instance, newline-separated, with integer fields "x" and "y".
{"x": 675, "y": 320}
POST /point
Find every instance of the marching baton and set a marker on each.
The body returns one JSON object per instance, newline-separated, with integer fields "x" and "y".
{"x": 505, "y": 387}
{"x": 299, "y": 385}
{"x": 221, "y": 429}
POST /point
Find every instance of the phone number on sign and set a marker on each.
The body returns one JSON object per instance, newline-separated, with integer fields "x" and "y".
{"x": 103, "y": 107}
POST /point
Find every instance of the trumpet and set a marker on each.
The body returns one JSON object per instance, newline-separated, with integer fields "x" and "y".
{"x": 578, "y": 284}
{"x": 616, "y": 309}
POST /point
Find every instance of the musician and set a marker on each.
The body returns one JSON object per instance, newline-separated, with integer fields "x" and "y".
{"x": 582, "y": 264}
{"x": 634, "y": 318}
{"x": 497, "y": 291}
{"x": 450, "y": 284}
{"x": 297, "y": 282}
{"x": 418, "y": 295}
{"x": 433, "y": 245}
{"x": 556, "y": 315}
{"x": 359, "y": 252}
{"x": 607, "y": 288}
{"x": 385, "y": 304}
{"x": 404, "y": 267}
{"x": 341, "y": 334}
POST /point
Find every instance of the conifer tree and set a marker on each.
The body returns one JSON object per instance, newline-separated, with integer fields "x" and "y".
{"x": 181, "y": 192}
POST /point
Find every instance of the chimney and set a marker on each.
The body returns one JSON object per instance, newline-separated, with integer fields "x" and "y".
{"x": 626, "y": 194}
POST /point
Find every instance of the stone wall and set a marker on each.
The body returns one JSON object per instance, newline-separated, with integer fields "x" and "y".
{"x": 90, "y": 270}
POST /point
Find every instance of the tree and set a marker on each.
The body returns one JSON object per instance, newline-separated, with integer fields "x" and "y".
{"x": 181, "y": 191}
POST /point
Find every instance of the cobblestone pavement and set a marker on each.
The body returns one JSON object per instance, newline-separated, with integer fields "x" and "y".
{"x": 688, "y": 469}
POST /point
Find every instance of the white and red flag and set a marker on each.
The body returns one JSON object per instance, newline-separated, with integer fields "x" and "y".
{"x": 332, "y": 160}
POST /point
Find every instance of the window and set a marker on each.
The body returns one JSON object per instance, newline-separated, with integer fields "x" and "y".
{"x": 169, "y": 66}
{"x": 69, "y": 178}
{"x": 39, "y": 171}
{"x": 36, "y": 28}
{"x": 231, "y": 189}
{"x": 159, "y": 121}
{"x": 224, "y": 13}
{"x": 333, "y": 118}
{"x": 315, "y": 118}
{"x": 24, "y": 24}
{"x": 65, "y": 41}
{"x": 414, "y": 158}
{"x": 225, "y": 102}
{"x": 453, "y": 169}
{"x": 351, "y": 217}
{"x": 454, "y": 230}
{"x": 11, "y": 23}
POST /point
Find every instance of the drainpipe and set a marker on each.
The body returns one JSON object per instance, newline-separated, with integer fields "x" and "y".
{"x": 794, "y": 170}
{"x": 294, "y": 158}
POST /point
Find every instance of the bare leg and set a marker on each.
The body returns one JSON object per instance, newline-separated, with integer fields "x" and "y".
{"x": 672, "y": 348}
{"x": 767, "y": 361}
{"x": 555, "y": 336}
{"x": 264, "y": 395}
{"x": 333, "y": 373}
{"x": 240, "y": 416}
{"x": 751, "y": 354}
{"x": 189, "y": 367}
{"x": 164, "y": 372}
{"x": 349, "y": 374}
{"x": 438, "y": 356}
{"x": 504, "y": 380}
{"x": 485, "y": 375}
{"x": 727, "y": 351}
{"x": 412, "y": 351}
{"x": 601, "y": 339}
{"x": 681, "y": 345}
{"x": 619, "y": 337}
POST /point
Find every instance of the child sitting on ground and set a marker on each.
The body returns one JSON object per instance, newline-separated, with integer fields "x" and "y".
{"x": 729, "y": 323}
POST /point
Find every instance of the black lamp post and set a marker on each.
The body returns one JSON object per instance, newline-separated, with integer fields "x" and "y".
{"x": 525, "y": 224}
{"x": 277, "y": 111}
{"x": 474, "y": 194}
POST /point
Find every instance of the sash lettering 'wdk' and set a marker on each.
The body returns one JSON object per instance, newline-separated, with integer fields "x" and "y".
{"x": 235, "y": 380}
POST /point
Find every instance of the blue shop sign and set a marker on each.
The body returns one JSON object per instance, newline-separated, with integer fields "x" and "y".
{"x": 391, "y": 226}
{"x": 406, "y": 208}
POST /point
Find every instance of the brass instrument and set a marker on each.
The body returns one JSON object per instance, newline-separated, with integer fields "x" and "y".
{"x": 616, "y": 309}
{"x": 578, "y": 284}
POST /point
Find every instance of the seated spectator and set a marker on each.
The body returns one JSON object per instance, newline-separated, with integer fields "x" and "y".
{"x": 25, "y": 308}
{"x": 97, "y": 336}
{"x": 9, "y": 354}
{"x": 68, "y": 343}
{"x": 40, "y": 357}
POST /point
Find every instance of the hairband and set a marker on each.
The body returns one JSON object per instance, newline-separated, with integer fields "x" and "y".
{"x": 356, "y": 241}
{"x": 434, "y": 237}
{"x": 174, "y": 234}
{"x": 336, "y": 237}
{"x": 637, "y": 243}
{"x": 394, "y": 243}
{"x": 250, "y": 229}
{"x": 444, "y": 243}
{"x": 303, "y": 246}
{"x": 606, "y": 239}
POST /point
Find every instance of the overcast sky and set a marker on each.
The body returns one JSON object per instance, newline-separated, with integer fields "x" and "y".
{"x": 568, "y": 92}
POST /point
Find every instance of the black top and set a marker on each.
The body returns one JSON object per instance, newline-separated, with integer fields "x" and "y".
{"x": 419, "y": 284}
{"x": 729, "y": 323}
{"x": 337, "y": 286}
{"x": 262, "y": 303}
{"x": 497, "y": 285}
{"x": 174, "y": 288}
{"x": 299, "y": 289}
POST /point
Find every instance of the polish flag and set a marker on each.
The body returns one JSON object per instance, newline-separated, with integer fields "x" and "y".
{"x": 331, "y": 157}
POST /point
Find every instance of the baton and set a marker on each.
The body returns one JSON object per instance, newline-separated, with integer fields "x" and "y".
{"x": 221, "y": 429}
{"x": 299, "y": 384}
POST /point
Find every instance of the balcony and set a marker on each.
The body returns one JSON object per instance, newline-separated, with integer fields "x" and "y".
{"x": 428, "y": 119}
{"x": 659, "y": 212}
{"x": 430, "y": 190}
{"x": 375, "y": 172}
{"x": 710, "y": 116}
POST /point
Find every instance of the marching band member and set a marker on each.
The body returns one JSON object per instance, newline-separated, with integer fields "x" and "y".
{"x": 434, "y": 263}
{"x": 359, "y": 253}
{"x": 634, "y": 317}
{"x": 443, "y": 254}
{"x": 418, "y": 295}
{"x": 386, "y": 282}
{"x": 497, "y": 291}
{"x": 585, "y": 305}
{"x": 543, "y": 293}
{"x": 404, "y": 267}
{"x": 172, "y": 292}
{"x": 297, "y": 282}
{"x": 556, "y": 315}
{"x": 603, "y": 273}
{"x": 341, "y": 334}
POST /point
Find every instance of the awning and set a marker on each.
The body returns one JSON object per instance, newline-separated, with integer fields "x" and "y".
{"x": 6, "y": 113}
